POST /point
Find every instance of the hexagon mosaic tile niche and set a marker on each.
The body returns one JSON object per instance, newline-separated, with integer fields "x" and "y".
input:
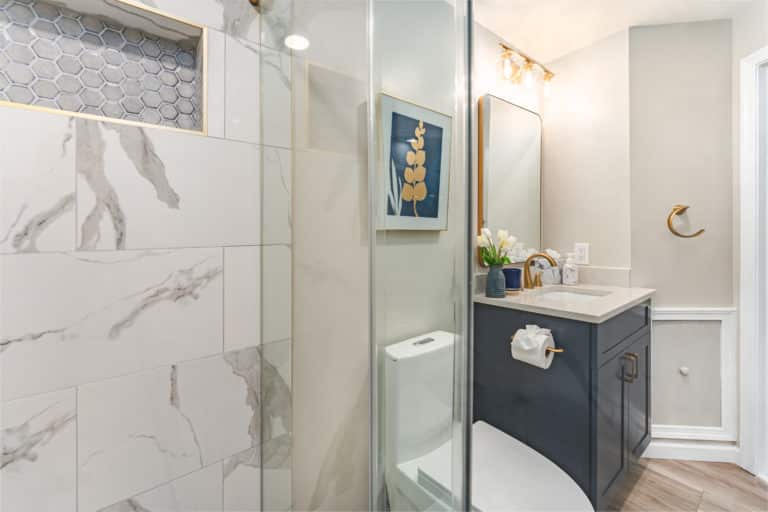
{"x": 56, "y": 58}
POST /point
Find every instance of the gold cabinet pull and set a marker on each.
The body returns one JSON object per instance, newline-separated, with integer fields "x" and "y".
{"x": 680, "y": 209}
{"x": 635, "y": 373}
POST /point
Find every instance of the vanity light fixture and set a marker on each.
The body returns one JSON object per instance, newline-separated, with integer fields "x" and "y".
{"x": 520, "y": 68}
{"x": 296, "y": 42}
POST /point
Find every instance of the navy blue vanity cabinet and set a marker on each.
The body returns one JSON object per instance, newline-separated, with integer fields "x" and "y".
{"x": 589, "y": 412}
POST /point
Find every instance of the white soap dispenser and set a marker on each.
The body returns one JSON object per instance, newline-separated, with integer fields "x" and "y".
{"x": 570, "y": 270}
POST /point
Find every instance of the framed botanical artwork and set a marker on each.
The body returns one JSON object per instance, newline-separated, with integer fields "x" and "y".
{"x": 416, "y": 172}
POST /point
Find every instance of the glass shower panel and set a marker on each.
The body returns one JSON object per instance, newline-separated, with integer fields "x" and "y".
{"x": 419, "y": 216}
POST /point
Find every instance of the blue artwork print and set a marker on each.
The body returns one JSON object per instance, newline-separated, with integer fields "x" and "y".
{"x": 415, "y": 168}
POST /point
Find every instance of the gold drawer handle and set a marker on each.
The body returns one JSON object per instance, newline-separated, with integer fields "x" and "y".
{"x": 680, "y": 209}
{"x": 635, "y": 360}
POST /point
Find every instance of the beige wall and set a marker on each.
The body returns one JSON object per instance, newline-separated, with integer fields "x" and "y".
{"x": 586, "y": 153}
{"x": 681, "y": 154}
{"x": 637, "y": 123}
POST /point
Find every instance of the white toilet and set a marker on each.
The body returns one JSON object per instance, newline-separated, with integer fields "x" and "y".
{"x": 507, "y": 475}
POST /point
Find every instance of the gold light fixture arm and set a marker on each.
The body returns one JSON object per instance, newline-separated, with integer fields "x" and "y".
{"x": 680, "y": 209}
{"x": 507, "y": 50}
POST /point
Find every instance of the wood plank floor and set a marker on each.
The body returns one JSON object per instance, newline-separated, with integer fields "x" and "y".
{"x": 675, "y": 485}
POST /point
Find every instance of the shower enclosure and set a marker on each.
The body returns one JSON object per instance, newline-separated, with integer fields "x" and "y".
{"x": 145, "y": 257}
{"x": 209, "y": 240}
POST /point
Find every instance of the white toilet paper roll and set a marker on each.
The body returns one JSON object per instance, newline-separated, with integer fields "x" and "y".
{"x": 530, "y": 345}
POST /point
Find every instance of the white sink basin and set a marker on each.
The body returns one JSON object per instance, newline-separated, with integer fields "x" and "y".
{"x": 568, "y": 294}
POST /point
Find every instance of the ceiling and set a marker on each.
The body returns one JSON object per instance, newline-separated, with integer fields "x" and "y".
{"x": 549, "y": 29}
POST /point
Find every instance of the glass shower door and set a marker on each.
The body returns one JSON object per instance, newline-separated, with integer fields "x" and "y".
{"x": 419, "y": 223}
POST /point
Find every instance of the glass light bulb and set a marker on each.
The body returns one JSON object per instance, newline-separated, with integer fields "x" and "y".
{"x": 507, "y": 70}
{"x": 547, "y": 88}
{"x": 529, "y": 77}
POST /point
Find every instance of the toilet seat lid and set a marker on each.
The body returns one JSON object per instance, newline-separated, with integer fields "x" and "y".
{"x": 507, "y": 475}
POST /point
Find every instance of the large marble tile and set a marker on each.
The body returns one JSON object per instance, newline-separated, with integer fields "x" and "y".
{"x": 276, "y": 20}
{"x": 243, "y": 91}
{"x": 152, "y": 188}
{"x": 277, "y": 489}
{"x": 67, "y": 319}
{"x": 276, "y": 292}
{"x": 276, "y": 111}
{"x": 37, "y": 187}
{"x": 200, "y": 491}
{"x": 277, "y": 425}
{"x": 38, "y": 465}
{"x": 143, "y": 430}
{"x": 339, "y": 103}
{"x": 216, "y": 83}
{"x": 242, "y": 297}
{"x": 331, "y": 259}
{"x": 276, "y": 196}
{"x": 235, "y": 17}
{"x": 331, "y": 110}
{"x": 242, "y": 482}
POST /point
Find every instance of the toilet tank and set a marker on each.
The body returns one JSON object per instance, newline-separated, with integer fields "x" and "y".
{"x": 418, "y": 396}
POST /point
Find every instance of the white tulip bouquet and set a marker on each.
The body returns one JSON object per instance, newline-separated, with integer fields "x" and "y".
{"x": 494, "y": 254}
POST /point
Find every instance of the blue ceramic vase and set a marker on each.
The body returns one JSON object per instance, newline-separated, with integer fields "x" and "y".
{"x": 495, "y": 286}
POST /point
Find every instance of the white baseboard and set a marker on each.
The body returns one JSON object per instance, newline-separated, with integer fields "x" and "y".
{"x": 705, "y": 451}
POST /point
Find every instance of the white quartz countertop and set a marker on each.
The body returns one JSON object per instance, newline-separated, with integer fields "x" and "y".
{"x": 586, "y": 303}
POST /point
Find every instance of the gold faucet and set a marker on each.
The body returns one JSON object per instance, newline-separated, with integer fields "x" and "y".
{"x": 527, "y": 281}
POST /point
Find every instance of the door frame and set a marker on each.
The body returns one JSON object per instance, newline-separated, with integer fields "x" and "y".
{"x": 753, "y": 273}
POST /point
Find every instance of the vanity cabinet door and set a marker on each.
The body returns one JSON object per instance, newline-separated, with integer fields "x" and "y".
{"x": 639, "y": 395}
{"x": 611, "y": 414}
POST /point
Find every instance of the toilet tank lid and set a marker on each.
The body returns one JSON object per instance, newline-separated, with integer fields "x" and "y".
{"x": 420, "y": 345}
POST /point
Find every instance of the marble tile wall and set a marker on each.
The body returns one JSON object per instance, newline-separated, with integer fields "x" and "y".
{"x": 145, "y": 296}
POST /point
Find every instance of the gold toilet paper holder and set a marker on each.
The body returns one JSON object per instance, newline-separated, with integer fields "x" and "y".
{"x": 548, "y": 349}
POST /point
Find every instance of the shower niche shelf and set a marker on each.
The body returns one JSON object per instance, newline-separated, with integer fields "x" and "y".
{"x": 108, "y": 58}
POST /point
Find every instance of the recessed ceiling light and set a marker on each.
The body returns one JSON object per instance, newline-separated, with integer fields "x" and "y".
{"x": 297, "y": 42}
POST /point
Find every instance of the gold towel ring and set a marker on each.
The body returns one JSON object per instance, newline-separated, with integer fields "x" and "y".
{"x": 679, "y": 209}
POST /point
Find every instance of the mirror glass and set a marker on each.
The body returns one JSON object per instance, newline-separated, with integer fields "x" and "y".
{"x": 510, "y": 170}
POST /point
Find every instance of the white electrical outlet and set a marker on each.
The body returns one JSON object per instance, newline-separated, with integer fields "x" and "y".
{"x": 581, "y": 249}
